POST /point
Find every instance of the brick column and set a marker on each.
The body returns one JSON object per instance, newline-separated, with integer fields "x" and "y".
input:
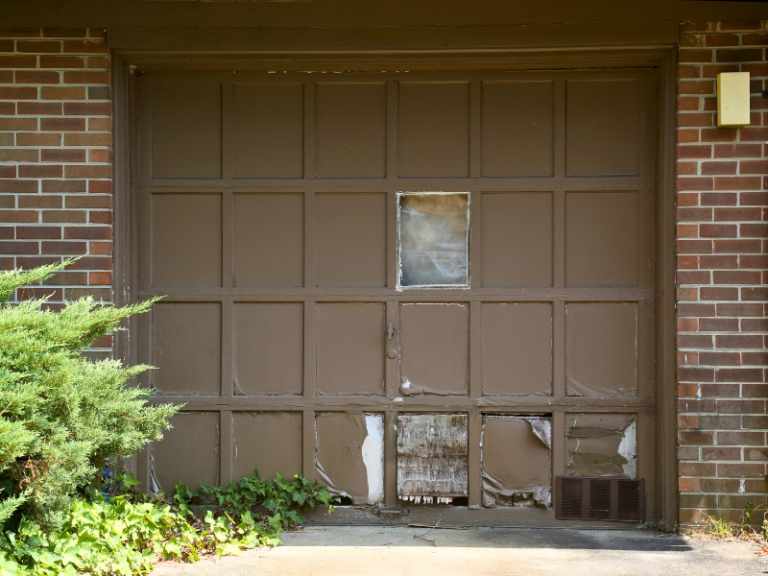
{"x": 55, "y": 159}
{"x": 722, "y": 270}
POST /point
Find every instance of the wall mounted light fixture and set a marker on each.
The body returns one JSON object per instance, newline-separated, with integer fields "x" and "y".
{"x": 732, "y": 99}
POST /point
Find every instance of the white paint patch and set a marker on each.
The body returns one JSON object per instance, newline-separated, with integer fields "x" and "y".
{"x": 742, "y": 486}
{"x": 542, "y": 428}
{"x": 373, "y": 457}
{"x": 628, "y": 449}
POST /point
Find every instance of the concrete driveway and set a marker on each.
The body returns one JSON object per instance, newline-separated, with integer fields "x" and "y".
{"x": 393, "y": 551}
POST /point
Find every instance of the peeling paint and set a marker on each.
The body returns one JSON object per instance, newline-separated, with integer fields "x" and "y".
{"x": 516, "y": 461}
{"x": 349, "y": 455}
{"x": 373, "y": 457}
{"x": 601, "y": 445}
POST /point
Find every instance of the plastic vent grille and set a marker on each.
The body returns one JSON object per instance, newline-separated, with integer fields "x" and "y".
{"x": 610, "y": 499}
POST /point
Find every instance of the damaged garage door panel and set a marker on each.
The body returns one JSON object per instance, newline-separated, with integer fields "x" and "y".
{"x": 517, "y": 461}
{"x": 350, "y": 455}
{"x": 431, "y": 457}
{"x": 601, "y": 445}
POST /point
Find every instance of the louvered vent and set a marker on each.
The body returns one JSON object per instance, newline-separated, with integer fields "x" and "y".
{"x": 613, "y": 499}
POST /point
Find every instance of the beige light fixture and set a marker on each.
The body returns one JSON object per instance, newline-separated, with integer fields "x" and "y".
{"x": 732, "y": 99}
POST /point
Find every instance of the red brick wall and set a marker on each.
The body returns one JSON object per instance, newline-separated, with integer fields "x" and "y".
{"x": 722, "y": 268}
{"x": 55, "y": 158}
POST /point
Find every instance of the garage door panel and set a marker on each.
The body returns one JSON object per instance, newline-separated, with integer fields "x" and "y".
{"x": 188, "y": 453}
{"x": 351, "y": 130}
{"x": 186, "y": 348}
{"x": 517, "y": 349}
{"x": 435, "y": 349}
{"x": 269, "y": 240}
{"x": 518, "y": 129}
{"x": 186, "y": 131}
{"x": 433, "y": 129}
{"x": 602, "y": 127}
{"x": 186, "y": 240}
{"x": 351, "y": 239}
{"x": 268, "y": 130}
{"x": 350, "y": 455}
{"x": 269, "y": 348}
{"x": 517, "y": 461}
{"x": 350, "y": 348}
{"x": 601, "y": 235}
{"x": 603, "y": 445}
{"x": 281, "y": 455}
{"x": 601, "y": 349}
{"x": 518, "y": 241}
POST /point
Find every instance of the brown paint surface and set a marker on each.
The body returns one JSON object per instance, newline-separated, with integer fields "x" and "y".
{"x": 187, "y": 348}
{"x": 433, "y": 129}
{"x": 518, "y": 242}
{"x": 269, "y": 130}
{"x": 518, "y": 135}
{"x": 601, "y": 238}
{"x": 267, "y": 441}
{"x": 340, "y": 464}
{"x": 602, "y": 127}
{"x": 269, "y": 240}
{"x": 517, "y": 349}
{"x": 351, "y": 130}
{"x": 601, "y": 353}
{"x": 351, "y": 239}
{"x": 592, "y": 444}
{"x": 188, "y": 453}
{"x": 431, "y": 456}
{"x": 269, "y": 346}
{"x": 186, "y": 240}
{"x": 517, "y": 464}
{"x": 435, "y": 349}
{"x": 186, "y": 131}
{"x": 350, "y": 348}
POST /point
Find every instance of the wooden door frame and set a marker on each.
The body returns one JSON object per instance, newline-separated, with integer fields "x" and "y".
{"x": 126, "y": 66}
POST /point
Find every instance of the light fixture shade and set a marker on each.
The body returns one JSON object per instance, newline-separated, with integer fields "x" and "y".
{"x": 732, "y": 99}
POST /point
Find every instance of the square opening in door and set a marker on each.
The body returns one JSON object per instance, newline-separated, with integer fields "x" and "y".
{"x": 433, "y": 239}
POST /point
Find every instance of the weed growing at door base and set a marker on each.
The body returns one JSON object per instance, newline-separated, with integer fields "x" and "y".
{"x": 747, "y": 529}
{"x": 127, "y": 533}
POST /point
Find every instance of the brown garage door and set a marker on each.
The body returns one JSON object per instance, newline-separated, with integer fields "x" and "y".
{"x": 433, "y": 293}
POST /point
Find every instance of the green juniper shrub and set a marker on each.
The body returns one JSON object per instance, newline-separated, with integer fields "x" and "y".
{"x": 63, "y": 417}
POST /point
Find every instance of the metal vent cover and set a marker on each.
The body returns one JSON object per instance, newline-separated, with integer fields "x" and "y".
{"x": 612, "y": 499}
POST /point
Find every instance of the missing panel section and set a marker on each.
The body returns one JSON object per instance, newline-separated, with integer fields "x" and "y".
{"x": 517, "y": 461}
{"x": 431, "y": 457}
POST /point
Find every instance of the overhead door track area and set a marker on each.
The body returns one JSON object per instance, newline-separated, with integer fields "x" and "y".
{"x": 433, "y": 293}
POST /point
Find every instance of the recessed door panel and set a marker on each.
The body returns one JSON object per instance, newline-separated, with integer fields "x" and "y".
{"x": 435, "y": 349}
{"x": 269, "y": 240}
{"x": 269, "y": 348}
{"x": 350, "y": 348}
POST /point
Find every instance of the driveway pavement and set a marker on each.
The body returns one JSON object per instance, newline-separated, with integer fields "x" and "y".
{"x": 393, "y": 551}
